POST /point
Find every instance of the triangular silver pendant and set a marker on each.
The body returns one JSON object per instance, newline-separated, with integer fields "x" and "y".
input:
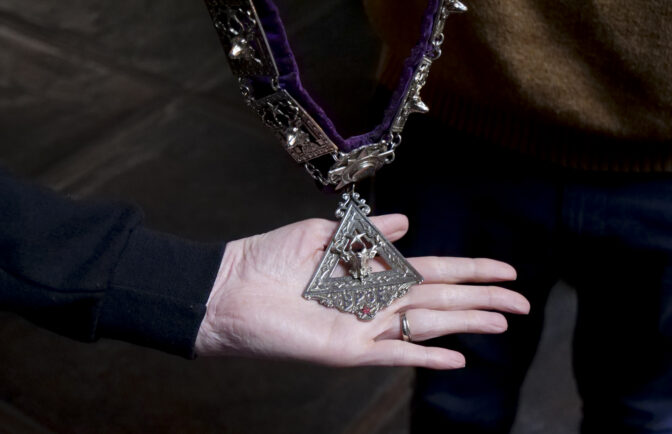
{"x": 357, "y": 242}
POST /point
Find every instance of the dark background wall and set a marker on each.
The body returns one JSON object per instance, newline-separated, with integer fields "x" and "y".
{"x": 133, "y": 101}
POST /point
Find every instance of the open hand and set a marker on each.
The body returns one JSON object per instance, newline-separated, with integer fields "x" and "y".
{"x": 256, "y": 308}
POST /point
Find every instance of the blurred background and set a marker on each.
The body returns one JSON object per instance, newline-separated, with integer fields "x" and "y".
{"x": 133, "y": 101}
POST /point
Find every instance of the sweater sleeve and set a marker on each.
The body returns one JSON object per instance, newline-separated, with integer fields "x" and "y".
{"x": 89, "y": 269}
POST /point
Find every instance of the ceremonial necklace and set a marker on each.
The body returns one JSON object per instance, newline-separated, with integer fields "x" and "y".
{"x": 259, "y": 55}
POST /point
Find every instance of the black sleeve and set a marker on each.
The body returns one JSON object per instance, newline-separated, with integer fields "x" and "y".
{"x": 88, "y": 269}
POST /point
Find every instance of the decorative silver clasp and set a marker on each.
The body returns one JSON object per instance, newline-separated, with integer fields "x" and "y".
{"x": 359, "y": 164}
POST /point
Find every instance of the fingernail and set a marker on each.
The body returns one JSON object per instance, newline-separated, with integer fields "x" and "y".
{"x": 508, "y": 273}
{"x": 521, "y": 307}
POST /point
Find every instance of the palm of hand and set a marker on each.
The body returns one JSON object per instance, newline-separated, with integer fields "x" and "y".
{"x": 256, "y": 308}
{"x": 264, "y": 294}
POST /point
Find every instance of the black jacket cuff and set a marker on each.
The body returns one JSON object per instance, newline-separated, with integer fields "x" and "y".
{"x": 158, "y": 292}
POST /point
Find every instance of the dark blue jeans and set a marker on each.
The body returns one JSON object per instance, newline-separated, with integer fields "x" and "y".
{"x": 608, "y": 235}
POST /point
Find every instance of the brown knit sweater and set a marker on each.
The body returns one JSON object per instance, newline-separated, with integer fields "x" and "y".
{"x": 587, "y": 84}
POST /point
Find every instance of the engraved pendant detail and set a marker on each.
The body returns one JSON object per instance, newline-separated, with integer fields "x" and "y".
{"x": 354, "y": 246}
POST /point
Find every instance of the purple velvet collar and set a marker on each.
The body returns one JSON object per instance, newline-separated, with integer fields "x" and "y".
{"x": 291, "y": 81}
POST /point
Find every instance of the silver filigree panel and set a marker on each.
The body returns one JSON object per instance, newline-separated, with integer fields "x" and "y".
{"x": 242, "y": 37}
{"x": 301, "y": 135}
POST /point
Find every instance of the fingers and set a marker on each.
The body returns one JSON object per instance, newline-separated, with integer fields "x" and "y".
{"x": 455, "y": 270}
{"x": 427, "y": 324}
{"x": 392, "y": 226}
{"x": 464, "y": 297}
{"x": 398, "y": 353}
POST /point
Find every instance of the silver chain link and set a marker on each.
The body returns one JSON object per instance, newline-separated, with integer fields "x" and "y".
{"x": 315, "y": 173}
{"x": 436, "y": 47}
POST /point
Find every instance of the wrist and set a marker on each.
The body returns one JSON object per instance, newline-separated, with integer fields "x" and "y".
{"x": 212, "y": 339}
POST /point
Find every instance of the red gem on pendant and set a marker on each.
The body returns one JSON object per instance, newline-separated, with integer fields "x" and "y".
{"x": 366, "y": 310}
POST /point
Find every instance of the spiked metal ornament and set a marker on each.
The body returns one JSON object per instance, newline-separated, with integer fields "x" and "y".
{"x": 356, "y": 243}
{"x": 456, "y": 6}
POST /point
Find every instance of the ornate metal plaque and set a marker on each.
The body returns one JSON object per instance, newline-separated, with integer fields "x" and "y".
{"x": 356, "y": 243}
{"x": 301, "y": 135}
{"x": 242, "y": 37}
